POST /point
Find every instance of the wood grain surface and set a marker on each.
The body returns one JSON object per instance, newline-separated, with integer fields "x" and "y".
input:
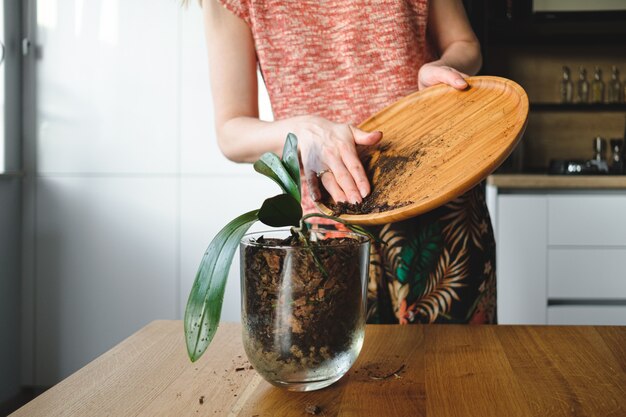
{"x": 437, "y": 144}
{"x": 442, "y": 370}
{"x": 598, "y": 182}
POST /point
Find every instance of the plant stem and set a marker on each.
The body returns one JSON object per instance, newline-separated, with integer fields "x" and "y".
{"x": 303, "y": 237}
{"x": 302, "y": 231}
{"x": 352, "y": 227}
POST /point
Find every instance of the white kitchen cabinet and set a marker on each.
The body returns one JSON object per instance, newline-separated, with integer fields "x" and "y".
{"x": 587, "y": 315}
{"x": 125, "y": 183}
{"x": 586, "y": 273}
{"x": 10, "y": 191}
{"x": 106, "y": 82}
{"x": 560, "y": 255}
{"x": 587, "y": 220}
{"x": 521, "y": 259}
{"x": 105, "y": 266}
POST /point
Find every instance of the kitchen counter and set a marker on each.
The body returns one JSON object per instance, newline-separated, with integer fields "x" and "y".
{"x": 440, "y": 370}
{"x": 537, "y": 181}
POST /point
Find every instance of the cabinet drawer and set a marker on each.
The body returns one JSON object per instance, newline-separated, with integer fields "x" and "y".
{"x": 587, "y": 220}
{"x": 587, "y": 273}
{"x": 587, "y": 315}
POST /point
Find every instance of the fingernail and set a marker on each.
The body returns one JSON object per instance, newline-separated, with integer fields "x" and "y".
{"x": 363, "y": 194}
{"x": 459, "y": 82}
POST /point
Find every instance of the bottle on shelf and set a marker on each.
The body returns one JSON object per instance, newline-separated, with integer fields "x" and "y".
{"x": 597, "y": 87}
{"x": 615, "y": 87}
{"x": 598, "y": 164}
{"x": 566, "y": 88}
{"x": 617, "y": 163}
{"x": 582, "y": 86}
{"x": 624, "y": 150}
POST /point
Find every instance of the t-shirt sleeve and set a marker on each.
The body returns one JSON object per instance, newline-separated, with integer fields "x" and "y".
{"x": 240, "y": 8}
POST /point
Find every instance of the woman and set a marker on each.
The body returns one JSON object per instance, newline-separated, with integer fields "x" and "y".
{"x": 328, "y": 65}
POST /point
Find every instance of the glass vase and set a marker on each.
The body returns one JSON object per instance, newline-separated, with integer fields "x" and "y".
{"x": 303, "y": 305}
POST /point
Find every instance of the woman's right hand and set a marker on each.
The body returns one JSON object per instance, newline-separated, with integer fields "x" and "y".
{"x": 330, "y": 148}
{"x": 242, "y": 137}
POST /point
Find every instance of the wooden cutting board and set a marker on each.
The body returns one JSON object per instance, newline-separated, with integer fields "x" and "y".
{"x": 437, "y": 144}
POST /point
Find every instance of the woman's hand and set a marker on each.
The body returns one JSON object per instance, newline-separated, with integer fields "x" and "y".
{"x": 456, "y": 43}
{"x": 330, "y": 148}
{"x": 437, "y": 73}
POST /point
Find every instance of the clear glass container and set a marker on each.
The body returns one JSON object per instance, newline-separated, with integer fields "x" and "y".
{"x": 615, "y": 87}
{"x": 597, "y": 87}
{"x": 598, "y": 163}
{"x": 303, "y": 307}
{"x": 566, "y": 87}
{"x": 617, "y": 165}
{"x": 582, "y": 86}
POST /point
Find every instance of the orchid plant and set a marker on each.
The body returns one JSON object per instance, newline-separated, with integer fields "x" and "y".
{"x": 204, "y": 306}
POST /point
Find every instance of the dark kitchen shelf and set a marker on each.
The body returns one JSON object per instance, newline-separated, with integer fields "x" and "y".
{"x": 577, "y": 28}
{"x": 559, "y": 107}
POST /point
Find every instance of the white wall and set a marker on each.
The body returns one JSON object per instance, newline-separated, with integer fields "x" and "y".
{"x": 126, "y": 185}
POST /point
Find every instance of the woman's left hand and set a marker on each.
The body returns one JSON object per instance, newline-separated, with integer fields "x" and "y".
{"x": 437, "y": 73}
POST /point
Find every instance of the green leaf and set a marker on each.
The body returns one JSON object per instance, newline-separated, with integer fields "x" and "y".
{"x": 418, "y": 258}
{"x": 204, "y": 306}
{"x": 290, "y": 159}
{"x": 281, "y": 210}
{"x": 271, "y": 166}
{"x": 363, "y": 231}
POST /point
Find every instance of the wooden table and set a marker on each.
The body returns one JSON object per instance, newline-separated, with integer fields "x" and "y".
{"x": 447, "y": 370}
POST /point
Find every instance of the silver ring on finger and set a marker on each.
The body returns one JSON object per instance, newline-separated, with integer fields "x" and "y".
{"x": 322, "y": 172}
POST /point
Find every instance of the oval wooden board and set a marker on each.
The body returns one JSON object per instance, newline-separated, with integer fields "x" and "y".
{"x": 439, "y": 143}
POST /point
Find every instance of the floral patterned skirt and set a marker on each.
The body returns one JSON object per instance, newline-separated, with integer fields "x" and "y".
{"x": 438, "y": 267}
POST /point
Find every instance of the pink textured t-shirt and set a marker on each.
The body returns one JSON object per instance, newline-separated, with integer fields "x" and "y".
{"x": 343, "y": 60}
{"x": 340, "y": 59}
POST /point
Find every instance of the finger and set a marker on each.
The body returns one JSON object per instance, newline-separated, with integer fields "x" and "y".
{"x": 452, "y": 78}
{"x": 362, "y": 137}
{"x": 344, "y": 179}
{"x": 355, "y": 167}
{"x": 313, "y": 184}
{"x": 333, "y": 187}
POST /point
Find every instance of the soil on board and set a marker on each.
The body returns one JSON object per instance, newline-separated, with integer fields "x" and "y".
{"x": 301, "y": 311}
{"x": 367, "y": 206}
{"x": 382, "y": 166}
